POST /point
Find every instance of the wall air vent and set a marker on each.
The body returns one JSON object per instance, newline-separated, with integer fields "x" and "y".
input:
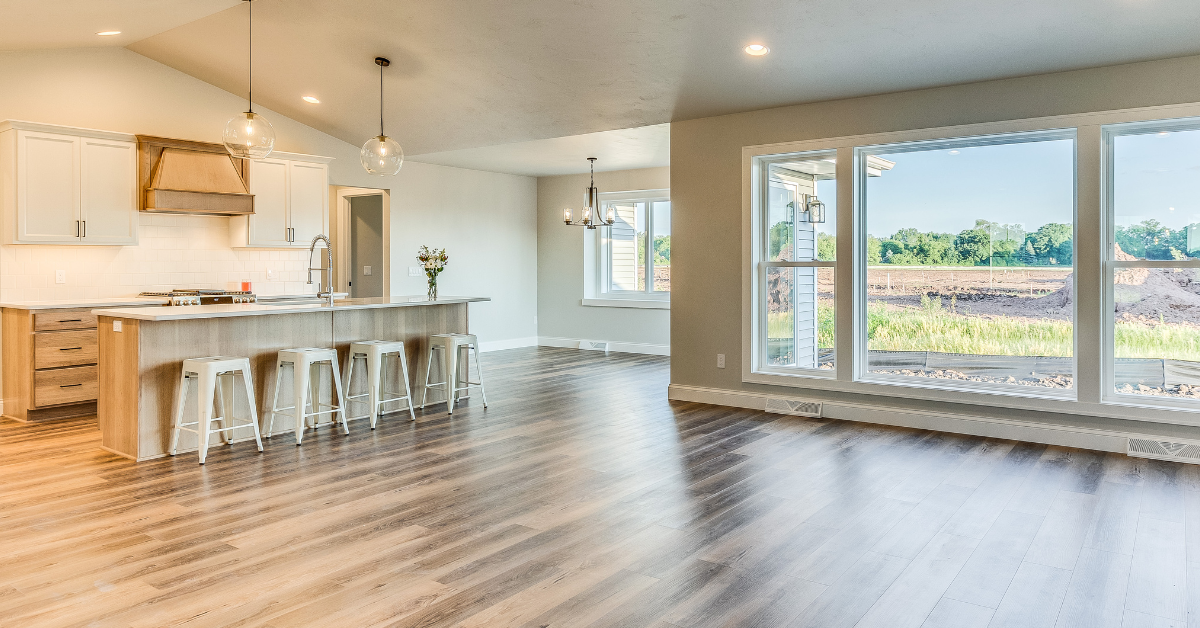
{"x": 794, "y": 407}
{"x": 593, "y": 345}
{"x": 1164, "y": 450}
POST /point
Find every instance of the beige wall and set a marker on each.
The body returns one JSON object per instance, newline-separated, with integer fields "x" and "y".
{"x": 706, "y": 186}
{"x": 486, "y": 220}
{"x": 561, "y": 265}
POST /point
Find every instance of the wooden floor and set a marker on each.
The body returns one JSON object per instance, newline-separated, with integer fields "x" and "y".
{"x": 581, "y": 497}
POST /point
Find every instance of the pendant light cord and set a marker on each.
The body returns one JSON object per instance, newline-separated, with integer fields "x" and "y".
{"x": 250, "y": 97}
{"x": 381, "y": 100}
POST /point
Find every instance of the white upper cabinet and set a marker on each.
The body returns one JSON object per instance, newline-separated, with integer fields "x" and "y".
{"x": 67, "y": 186}
{"x": 291, "y": 202}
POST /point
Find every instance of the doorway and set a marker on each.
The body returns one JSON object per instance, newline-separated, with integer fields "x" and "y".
{"x": 362, "y": 237}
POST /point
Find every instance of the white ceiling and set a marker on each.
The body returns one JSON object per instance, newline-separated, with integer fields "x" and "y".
{"x": 30, "y": 24}
{"x": 625, "y": 149}
{"x": 469, "y": 74}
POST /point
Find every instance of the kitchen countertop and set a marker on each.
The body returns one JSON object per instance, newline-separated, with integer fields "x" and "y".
{"x": 81, "y": 303}
{"x": 178, "y": 313}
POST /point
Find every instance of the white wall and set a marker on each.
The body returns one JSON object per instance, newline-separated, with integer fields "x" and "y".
{"x": 560, "y": 262}
{"x": 118, "y": 90}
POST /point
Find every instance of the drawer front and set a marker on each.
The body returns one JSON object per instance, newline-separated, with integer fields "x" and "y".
{"x": 71, "y": 385}
{"x": 52, "y": 321}
{"x": 53, "y": 349}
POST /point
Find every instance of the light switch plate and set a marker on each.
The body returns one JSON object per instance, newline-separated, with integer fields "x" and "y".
{"x": 366, "y": 270}
{"x": 270, "y": 275}
{"x": 116, "y": 325}
{"x": 60, "y": 276}
{"x": 720, "y": 360}
{"x": 414, "y": 271}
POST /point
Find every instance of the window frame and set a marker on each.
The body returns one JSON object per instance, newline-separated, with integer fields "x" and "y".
{"x": 862, "y": 153}
{"x": 763, "y": 263}
{"x": 1091, "y": 405}
{"x": 1109, "y": 133}
{"x": 603, "y": 281}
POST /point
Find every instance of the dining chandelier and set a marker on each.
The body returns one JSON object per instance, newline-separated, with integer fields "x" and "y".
{"x": 589, "y": 215}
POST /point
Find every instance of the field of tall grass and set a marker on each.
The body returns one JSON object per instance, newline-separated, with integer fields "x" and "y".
{"x": 933, "y": 328}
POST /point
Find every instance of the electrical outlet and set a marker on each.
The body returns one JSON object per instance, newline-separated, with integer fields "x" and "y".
{"x": 60, "y": 276}
{"x": 414, "y": 271}
{"x": 720, "y": 360}
{"x": 270, "y": 275}
{"x": 366, "y": 270}
{"x": 116, "y": 325}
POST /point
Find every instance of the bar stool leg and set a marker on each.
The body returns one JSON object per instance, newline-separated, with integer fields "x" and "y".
{"x": 275, "y": 400}
{"x": 224, "y": 406}
{"x": 428, "y": 372}
{"x": 314, "y": 392}
{"x": 451, "y": 377}
{"x": 301, "y": 381}
{"x": 207, "y": 388}
{"x": 479, "y": 374}
{"x": 248, "y": 381}
{"x": 374, "y": 374}
{"x": 339, "y": 396}
{"x": 180, "y": 402}
{"x": 412, "y": 416}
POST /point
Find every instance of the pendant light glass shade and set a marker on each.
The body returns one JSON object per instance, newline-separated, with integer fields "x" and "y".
{"x": 382, "y": 155}
{"x": 249, "y": 136}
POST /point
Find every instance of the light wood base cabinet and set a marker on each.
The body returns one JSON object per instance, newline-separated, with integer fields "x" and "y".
{"x": 50, "y": 363}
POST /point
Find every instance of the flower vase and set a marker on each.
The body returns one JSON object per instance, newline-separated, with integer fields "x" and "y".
{"x": 432, "y": 293}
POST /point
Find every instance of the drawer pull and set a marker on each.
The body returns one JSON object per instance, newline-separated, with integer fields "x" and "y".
{"x": 71, "y": 349}
{"x": 69, "y": 385}
{"x": 71, "y": 320}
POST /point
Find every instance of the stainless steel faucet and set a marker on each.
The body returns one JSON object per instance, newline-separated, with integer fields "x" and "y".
{"x": 328, "y": 293}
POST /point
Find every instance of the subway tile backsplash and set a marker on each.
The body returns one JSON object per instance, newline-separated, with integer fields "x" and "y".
{"x": 174, "y": 251}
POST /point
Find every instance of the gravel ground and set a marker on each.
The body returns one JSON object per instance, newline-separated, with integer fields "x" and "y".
{"x": 1052, "y": 381}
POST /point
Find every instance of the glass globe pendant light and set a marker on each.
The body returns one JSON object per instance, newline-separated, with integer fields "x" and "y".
{"x": 381, "y": 154}
{"x": 249, "y": 135}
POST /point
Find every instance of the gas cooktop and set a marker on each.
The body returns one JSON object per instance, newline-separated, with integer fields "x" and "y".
{"x": 203, "y": 296}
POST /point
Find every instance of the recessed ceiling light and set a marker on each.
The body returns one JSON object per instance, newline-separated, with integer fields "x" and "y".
{"x": 108, "y": 33}
{"x": 756, "y": 50}
{"x": 311, "y": 99}
{"x": 1163, "y": 134}
{"x": 953, "y": 152}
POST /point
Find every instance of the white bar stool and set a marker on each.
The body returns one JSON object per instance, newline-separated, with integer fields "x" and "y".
{"x": 214, "y": 375}
{"x": 450, "y": 344}
{"x": 307, "y": 384}
{"x": 374, "y": 352}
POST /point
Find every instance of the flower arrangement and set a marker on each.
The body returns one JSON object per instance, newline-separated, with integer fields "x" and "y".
{"x": 434, "y": 261}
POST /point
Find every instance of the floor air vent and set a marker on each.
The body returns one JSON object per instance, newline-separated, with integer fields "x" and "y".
{"x": 593, "y": 345}
{"x": 1164, "y": 450}
{"x": 775, "y": 405}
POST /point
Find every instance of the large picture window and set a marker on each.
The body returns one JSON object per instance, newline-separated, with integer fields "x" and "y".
{"x": 638, "y": 251}
{"x": 969, "y": 262}
{"x": 797, "y": 258}
{"x": 1153, "y": 261}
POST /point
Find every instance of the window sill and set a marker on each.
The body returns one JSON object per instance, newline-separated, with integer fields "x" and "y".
{"x": 645, "y": 304}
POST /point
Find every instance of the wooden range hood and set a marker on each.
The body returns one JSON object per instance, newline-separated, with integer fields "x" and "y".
{"x": 181, "y": 176}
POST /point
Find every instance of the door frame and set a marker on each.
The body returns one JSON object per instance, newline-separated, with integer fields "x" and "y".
{"x": 340, "y": 226}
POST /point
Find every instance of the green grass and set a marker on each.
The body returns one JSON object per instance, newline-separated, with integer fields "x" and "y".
{"x": 936, "y": 329}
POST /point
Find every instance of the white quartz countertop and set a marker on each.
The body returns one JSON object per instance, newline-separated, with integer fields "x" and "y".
{"x": 81, "y": 303}
{"x": 179, "y": 313}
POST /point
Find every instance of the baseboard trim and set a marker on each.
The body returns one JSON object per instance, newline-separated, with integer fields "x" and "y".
{"x": 511, "y": 343}
{"x": 974, "y": 425}
{"x": 613, "y": 345}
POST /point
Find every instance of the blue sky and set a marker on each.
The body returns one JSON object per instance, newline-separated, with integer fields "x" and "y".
{"x": 1157, "y": 177}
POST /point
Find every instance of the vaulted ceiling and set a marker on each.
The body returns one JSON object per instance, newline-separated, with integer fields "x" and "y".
{"x": 469, "y": 73}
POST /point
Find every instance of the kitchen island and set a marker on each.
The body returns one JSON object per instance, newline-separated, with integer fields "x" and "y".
{"x": 142, "y": 351}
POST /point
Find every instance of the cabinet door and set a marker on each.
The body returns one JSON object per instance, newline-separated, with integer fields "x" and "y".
{"x": 47, "y": 187}
{"x": 108, "y": 191}
{"x": 309, "y": 195}
{"x": 269, "y": 185}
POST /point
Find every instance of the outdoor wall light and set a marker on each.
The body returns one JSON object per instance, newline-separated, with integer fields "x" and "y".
{"x": 814, "y": 208}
